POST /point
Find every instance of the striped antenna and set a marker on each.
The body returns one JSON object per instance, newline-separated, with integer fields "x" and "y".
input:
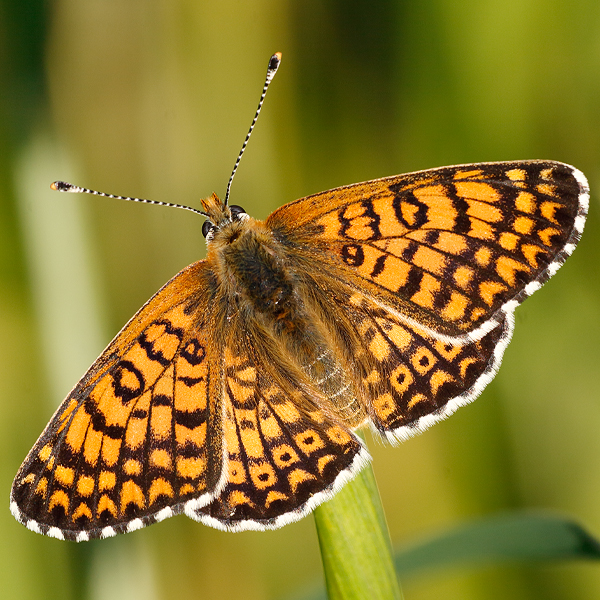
{"x": 274, "y": 62}
{"x": 63, "y": 186}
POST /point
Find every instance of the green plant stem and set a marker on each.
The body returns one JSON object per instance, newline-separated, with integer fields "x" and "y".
{"x": 355, "y": 543}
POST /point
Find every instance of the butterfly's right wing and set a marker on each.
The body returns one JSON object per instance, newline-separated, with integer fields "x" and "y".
{"x": 406, "y": 376}
{"x": 423, "y": 272}
{"x": 140, "y": 436}
{"x": 454, "y": 249}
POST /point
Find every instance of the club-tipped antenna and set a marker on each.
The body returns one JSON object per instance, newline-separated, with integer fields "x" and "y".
{"x": 274, "y": 62}
{"x": 63, "y": 186}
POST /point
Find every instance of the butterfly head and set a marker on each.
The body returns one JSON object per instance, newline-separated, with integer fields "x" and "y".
{"x": 221, "y": 217}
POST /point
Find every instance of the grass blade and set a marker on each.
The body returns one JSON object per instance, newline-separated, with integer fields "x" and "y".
{"x": 502, "y": 538}
{"x": 355, "y": 543}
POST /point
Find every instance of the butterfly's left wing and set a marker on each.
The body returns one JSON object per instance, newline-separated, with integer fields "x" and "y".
{"x": 287, "y": 451}
{"x": 139, "y": 438}
{"x": 454, "y": 249}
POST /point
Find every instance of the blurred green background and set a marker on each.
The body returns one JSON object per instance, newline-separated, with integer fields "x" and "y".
{"x": 153, "y": 98}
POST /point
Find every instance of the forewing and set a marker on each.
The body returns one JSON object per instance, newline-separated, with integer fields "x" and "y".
{"x": 139, "y": 438}
{"x": 454, "y": 248}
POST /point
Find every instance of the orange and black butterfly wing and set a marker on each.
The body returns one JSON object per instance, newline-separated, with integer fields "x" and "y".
{"x": 429, "y": 267}
{"x": 409, "y": 377}
{"x": 139, "y": 438}
{"x": 287, "y": 452}
{"x": 455, "y": 248}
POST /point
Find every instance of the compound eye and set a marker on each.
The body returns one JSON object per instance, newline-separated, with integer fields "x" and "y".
{"x": 236, "y": 211}
{"x": 206, "y": 227}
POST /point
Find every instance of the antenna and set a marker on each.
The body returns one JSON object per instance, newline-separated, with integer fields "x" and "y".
{"x": 63, "y": 186}
{"x": 274, "y": 62}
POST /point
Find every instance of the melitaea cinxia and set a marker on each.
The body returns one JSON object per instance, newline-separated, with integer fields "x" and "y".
{"x": 233, "y": 394}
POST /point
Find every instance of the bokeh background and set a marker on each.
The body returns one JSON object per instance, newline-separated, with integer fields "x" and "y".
{"x": 153, "y": 98}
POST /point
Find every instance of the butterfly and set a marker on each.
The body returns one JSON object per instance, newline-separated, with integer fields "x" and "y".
{"x": 234, "y": 394}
